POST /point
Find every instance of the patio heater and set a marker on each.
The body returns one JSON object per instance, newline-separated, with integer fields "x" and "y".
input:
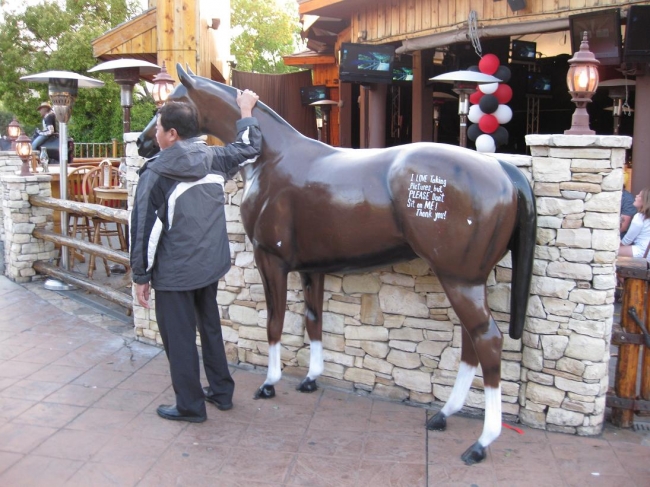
{"x": 465, "y": 83}
{"x": 63, "y": 87}
{"x": 127, "y": 73}
{"x": 326, "y": 107}
{"x": 618, "y": 91}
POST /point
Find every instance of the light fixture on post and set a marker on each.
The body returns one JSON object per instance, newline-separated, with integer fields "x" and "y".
{"x": 127, "y": 73}
{"x": 618, "y": 91}
{"x": 326, "y": 108}
{"x": 163, "y": 85}
{"x": 582, "y": 80}
{"x": 465, "y": 83}
{"x": 63, "y": 87}
{"x": 13, "y": 132}
{"x": 24, "y": 151}
{"x": 439, "y": 99}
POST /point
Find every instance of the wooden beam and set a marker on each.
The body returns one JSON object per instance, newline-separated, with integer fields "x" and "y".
{"x": 83, "y": 245}
{"x": 105, "y": 292}
{"x": 86, "y": 209}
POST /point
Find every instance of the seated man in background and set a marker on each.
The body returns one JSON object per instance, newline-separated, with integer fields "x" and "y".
{"x": 49, "y": 121}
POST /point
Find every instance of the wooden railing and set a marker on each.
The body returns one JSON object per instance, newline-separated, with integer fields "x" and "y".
{"x": 92, "y": 211}
{"x": 87, "y": 150}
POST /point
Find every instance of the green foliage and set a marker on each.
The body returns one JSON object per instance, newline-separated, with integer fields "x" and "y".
{"x": 46, "y": 37}
{"x": 264, "y": 31}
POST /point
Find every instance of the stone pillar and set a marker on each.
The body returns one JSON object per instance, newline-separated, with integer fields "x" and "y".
{"x": 19, "y": 220}
{"x": 577, "y": 182}
{"x": 9, "y": 164}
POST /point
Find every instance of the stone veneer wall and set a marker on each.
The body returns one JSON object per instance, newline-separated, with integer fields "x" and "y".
{"x": 20, "y": 218}
{"x": 393, "y": 333}
{"x": 9, "y": 164}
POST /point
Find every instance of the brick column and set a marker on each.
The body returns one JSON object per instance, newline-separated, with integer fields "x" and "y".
{"x": 578, "y": 182}
{"x": 19, "y": 220}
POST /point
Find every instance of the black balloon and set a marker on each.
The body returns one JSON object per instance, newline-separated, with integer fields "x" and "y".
{"x": 474, "y": 131}
{"x": 488, "y": 103}
{"x": 500, "y": 136}
{"x": 503, "y": 73}
{"x": 474, "y": 68}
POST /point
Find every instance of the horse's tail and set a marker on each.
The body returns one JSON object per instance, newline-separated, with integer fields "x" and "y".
{"x": 522, "y": 247}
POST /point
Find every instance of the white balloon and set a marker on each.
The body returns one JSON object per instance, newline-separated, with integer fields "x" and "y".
{"x": 475, "y": 113}
{"x": 485, "y": 143}
{"x": 503, "y": 114}
{"x": 488, "y": 88}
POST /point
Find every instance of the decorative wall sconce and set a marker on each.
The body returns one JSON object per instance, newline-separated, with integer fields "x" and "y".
{"x": 163, "y": 85}
{"x": 13, "y": 132}
{"x": 24, "y": 151}
{"x": 582, "y": 80}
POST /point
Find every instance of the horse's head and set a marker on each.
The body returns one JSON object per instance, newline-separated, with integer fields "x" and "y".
{"x": 216, "y": 104}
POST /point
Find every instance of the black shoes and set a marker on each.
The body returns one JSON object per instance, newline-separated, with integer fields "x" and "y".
{"x": 221, "y": 406}
{"x": 172, "y": 413}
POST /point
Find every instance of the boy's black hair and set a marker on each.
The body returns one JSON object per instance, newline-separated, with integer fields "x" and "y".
{"x": 180, "y": 116}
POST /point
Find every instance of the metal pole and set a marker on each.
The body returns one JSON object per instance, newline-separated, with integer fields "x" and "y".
{"x": 63, "y": 185}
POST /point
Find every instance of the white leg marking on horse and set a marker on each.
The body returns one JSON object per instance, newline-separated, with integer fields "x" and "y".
{"x": 492, "y": 425}
{"x": 458, "y": 395}
{"x": 275, "y": 371}
{"x": 315, "y": 360}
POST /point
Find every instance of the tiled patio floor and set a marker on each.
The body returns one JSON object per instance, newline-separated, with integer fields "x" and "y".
{"x": 77, "y": 408}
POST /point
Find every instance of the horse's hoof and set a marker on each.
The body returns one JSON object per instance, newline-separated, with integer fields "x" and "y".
{"x": 474, "y": 454}
{"x": 307, "y": 385}
{"x": 437, "y": 422}
{"x": 265, "y": 392}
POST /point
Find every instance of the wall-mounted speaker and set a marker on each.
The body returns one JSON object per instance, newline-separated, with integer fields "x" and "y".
{"x": 637, "y": 39}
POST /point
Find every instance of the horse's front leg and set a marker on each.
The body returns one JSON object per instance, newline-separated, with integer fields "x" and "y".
{"x": 313, "y": 286}
{"x": 482, "y": 343}
{"x": 274, "y": 280}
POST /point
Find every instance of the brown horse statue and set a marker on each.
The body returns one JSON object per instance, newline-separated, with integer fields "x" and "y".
{"x": 316, "y": 209}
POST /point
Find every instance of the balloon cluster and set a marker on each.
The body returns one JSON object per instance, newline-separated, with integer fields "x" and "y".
{"x": 489, "y": 109}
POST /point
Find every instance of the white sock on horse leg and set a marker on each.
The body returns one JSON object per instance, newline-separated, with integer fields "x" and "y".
{"x": 274, "y": 372}
{"x": 458, "y": 395}
{"x": 315, "y": 360}
{"x": 492, "y": 424}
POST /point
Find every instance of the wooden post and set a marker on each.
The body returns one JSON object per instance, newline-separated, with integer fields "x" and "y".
{"x": 634, "y": 294}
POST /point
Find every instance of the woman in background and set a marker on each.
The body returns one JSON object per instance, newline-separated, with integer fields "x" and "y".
{"x": 635, "y": 242}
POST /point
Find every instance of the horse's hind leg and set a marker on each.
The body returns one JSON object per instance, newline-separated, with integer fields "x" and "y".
{"x": 482, "y": 340}
{"x": 312, "y": 285}
{"x": 274, "y": 279}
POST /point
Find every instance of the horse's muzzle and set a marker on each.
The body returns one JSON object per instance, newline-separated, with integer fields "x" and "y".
{"x": 147, "y": 147}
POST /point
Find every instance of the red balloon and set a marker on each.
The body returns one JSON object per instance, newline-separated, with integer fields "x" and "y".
{"x": 488, "y": 123}
{"x": 475, "y": 97}
{"x": 489, "y": 64}
{"x": 503, "y": 93}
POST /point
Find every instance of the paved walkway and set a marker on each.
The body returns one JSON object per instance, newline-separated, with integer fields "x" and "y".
{"x": 77, "y": 408}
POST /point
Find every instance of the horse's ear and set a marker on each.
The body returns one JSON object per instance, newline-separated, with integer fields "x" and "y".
{"x": 189, "y": 70}
{"x": 186, "y": 79}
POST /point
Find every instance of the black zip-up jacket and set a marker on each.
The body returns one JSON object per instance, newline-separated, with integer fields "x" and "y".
{"x": 179, "y": 240}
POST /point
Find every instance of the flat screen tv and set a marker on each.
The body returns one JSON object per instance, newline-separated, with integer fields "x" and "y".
{"x": 637, "y": 36}
{"x": 402, "y": 73}
{"x": 366, "y": 63}
{"x": 310, "y": 94}
{"x": 524, "y": 51}
{"x": 539, "y": 84}
{"x": 603, "y": 29}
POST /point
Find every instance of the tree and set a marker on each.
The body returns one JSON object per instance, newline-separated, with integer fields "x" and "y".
{"x": 263, "y": 32}
{"x": 49, "y": 36}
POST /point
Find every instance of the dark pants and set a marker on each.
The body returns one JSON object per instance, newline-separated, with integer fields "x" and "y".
{"x": 179, "y": 314}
